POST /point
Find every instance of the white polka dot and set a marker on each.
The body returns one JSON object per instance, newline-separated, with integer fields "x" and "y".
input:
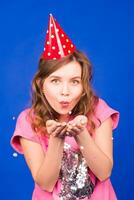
{"x": 64, "y": 46}
{"x": 62, "y": 35}
{"x": 112, "y": 138}
{"x": 53, "y": 47}
{"x": 52, "y": 36}
{"x": 59, "y": 52}
{"x": 67, "y": 40}
{"x": 69, "y": 51}
{"x": 51, "y": 25}
{"x": 15, "y": 154}
{"x": 13, "y": 118}
{"x": 48, "y": 42}
{"x": 48, "y": 53}
{"x": 72, "y": 45}
{"x": 54, "y": 58}
{"x": 57, "y": 30}
{"x": 44, "y": 48}
{"x": 47, "y": 31}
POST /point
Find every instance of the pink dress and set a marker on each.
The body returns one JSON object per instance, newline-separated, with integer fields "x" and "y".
{"x": 103, "y": 189}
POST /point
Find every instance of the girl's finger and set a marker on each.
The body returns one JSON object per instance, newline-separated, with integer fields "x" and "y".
{"x": 64, "y": 130}
{"x": 70, "y": 122}
{"x": 70, "y": 132}
{"x": 62, "y": 134}
{"x": 83, "y": 121}
{"x": 49, "y": 122}
{"x": 79, "y": 126}
{"x": 59, "y": 130}
{"x": 53, "y": 128}
{"x": 74, "y": 131}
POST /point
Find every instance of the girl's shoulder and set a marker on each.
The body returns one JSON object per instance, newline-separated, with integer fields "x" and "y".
{"x": 103, "y": 111}
{"x": 24, "y": 115}
{"x": 24, "y": 129}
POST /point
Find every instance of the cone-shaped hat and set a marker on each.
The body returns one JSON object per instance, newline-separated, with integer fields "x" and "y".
{"x": 57, "y": 43}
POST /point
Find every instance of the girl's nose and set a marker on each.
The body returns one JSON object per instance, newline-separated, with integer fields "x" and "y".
{"x": 65, "y": 90}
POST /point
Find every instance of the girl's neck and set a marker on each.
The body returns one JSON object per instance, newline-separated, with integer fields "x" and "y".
{"x": 65, "y": 118}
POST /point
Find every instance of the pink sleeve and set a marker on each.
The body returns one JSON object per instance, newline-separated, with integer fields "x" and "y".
{"x": 104, "y": 111}
{"x": 23, "y": 129}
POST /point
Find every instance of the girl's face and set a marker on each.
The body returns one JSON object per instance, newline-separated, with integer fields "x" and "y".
{"x": 63, "y": 88}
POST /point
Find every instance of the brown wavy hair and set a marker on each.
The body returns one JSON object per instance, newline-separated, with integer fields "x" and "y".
{"x": 41, "y": 110}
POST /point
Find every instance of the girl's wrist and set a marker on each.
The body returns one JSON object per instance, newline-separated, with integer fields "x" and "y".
{"x": 56, "y": 139}
{"x": 82, "y": 135}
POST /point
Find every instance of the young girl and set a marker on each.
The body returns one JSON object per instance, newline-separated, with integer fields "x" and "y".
{"x": 66, "y": 135}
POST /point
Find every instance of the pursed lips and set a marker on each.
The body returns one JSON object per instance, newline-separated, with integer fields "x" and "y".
{"x": 64, "y": 103}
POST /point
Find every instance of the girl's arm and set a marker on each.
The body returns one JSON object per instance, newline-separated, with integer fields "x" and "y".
{"x": 98, "y": 152}
{"x": 45, "y": 167}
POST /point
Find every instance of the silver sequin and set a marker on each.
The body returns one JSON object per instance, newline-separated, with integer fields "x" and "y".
{"x": 75, "y": 179}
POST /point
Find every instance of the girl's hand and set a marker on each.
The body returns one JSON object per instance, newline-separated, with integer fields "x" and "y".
{"x": 77, "y": 125}
{"x": 56, "y": 129}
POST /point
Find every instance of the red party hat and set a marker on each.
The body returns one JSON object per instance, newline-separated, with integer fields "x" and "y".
{"x": 57, "y": 44}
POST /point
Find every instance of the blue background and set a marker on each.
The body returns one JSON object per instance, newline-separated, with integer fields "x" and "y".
{"x": 103, "y": 30}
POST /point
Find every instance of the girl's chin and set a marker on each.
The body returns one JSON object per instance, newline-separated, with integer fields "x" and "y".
{"x": 63, "y": 113}
{"x": 66, "y": 113}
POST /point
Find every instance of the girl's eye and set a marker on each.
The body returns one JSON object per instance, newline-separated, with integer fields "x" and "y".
{"x": 75, "y": 82}
{"x": 55, "y": 81}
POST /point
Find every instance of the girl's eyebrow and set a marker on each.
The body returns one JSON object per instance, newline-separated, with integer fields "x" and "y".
{"x": 61, "y": 77}
{"x": 52, "y": 76}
